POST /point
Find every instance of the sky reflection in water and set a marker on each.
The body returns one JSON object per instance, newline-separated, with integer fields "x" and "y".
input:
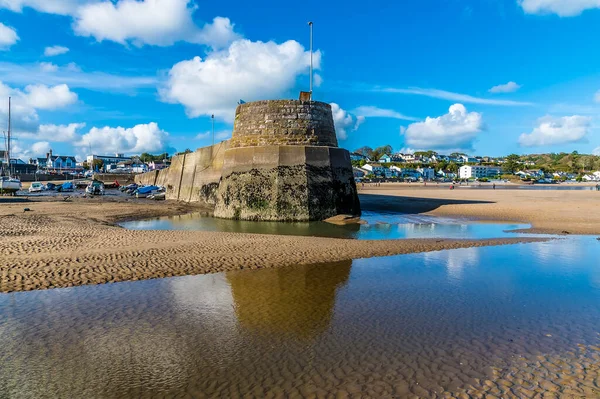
{"x": 440, "y": 319}
{"x": 381, "y": 226}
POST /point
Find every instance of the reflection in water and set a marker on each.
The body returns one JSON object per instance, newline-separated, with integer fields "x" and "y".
{"x": 295, "y": 300}
{"x": 455, "y": 260}
{"x": 379, "y": 226}
{"x": 493, "y": 320}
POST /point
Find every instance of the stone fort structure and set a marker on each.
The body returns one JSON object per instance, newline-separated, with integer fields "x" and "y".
{"x": 282, "y": 163}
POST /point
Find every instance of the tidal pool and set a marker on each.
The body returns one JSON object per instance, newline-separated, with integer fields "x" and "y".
{"x": 507, "y": 321}
{"x": 380, "y": 226}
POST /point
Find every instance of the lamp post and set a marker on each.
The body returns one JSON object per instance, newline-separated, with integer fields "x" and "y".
{"x": 310, "y": 24}
{"x": 212, "y": 117}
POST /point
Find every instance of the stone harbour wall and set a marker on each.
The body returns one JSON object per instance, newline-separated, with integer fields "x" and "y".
{"x": 281, "y": 164}
{"x": 283, "y": 122}
{"x": 192, "y": 177}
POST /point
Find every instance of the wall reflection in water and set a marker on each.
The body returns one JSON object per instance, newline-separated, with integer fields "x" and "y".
{"x": 298, "y": 300}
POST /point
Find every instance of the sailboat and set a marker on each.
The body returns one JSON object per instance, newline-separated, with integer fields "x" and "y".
{"x": 8, "y": 183}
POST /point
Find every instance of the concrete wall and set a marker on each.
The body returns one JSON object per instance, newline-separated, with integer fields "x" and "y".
{"x": 122, "y": 178}
{"x": 286, "y": 183}
{"x": 283, "y": 122}
{"x": 191, "y": 177}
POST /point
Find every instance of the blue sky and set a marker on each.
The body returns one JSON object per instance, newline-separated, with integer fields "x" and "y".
{"x": 488, "y": 77}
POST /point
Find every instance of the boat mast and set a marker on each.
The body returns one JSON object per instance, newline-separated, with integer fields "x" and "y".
{"x": 8, "y": 139}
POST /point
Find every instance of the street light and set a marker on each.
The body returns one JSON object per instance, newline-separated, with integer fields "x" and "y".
{"x": 310, "y": 24}
{"x": 213, "y": 128}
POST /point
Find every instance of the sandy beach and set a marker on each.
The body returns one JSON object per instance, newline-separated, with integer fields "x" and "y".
{"x": 548, "y": 211}
{"x": 67, "y": 243}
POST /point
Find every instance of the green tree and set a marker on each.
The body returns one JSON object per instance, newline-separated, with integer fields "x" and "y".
{"x": 453, "y": 167}
{"x": 512, "y": 163}
{"x": 365, "y": 151}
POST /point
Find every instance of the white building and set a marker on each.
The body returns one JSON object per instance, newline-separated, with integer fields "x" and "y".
{"x": 107, "y": 159}
{"x": 374, "y": 169}
{"x": 477, "y": 172}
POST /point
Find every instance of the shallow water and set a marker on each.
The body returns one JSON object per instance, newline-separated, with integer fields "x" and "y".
{"x": 509, "y": 321}
{"x": 380, "y": 226}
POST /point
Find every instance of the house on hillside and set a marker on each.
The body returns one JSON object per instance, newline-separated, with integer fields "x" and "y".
{"x": 377, "y": 170}
{"x": 355, "y": 156}
{"x": 385, "y": 159}
{"x": 359, "y": 173}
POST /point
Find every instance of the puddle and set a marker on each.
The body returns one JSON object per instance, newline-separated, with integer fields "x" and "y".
{"x": 380, "y": 226}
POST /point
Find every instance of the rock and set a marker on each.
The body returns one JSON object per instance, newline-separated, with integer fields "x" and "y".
{"x": 344, "y": 220}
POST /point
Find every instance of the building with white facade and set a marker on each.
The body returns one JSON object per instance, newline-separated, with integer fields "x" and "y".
{"x": 107, "y": 159}
{"x": 478, "y": 172}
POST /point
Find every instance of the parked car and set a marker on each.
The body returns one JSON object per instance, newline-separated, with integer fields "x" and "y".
{"x": 36, "y": 187}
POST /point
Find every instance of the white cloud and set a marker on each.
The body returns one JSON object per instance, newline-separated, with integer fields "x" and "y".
{"x": 26, "y": 103}
{"x": 596, "y": 151}
{"x": 246, "y": 70}
{"x": 55, "y": 50}
{"x": 61, "y": 7}
{"x": 45, "y": 97}
{"x": 219, "y": 135}
{"x": 562, "y": 8}
{"x": 375, "y": 112}
{"x": 597, "y": 96}
{"x": 447, "y": 95}
{"x": 317, "y": 80}
{"x": 72, "y": 75}
{"x": 8, "y": 36}
{"x": 550, "y": 131}
{"x": 140, "y": 138}
{"x": 223, "y": 135}
{"x": 509, "y": 87}
{"x": 344, "y": 121}
{"x": 48, "y": 67}
{"x": 64, "y": 133}
{"x": 455, "y": 130}
{"x": 40, "y": 148}
{"x": 153, "y": 22}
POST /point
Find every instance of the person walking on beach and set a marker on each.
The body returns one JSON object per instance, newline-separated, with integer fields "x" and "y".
{"x": 494, "y": 186}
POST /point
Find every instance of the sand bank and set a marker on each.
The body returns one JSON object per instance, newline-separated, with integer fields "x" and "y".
{"x": 548, "y": 211}
{"x": 62, "y": 244}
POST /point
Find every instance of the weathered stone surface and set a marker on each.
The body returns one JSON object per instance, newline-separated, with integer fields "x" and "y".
{"x": 283, "y": 122}
{"x": 282, "y": 164}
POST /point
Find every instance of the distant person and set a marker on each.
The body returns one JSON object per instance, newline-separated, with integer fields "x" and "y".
{"x": 494, "y": 186}
{"x": 597, "y": 187}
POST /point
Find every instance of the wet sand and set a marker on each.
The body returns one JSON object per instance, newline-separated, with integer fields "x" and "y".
{"x": 548, "y": 211}
{"x": 68, "y": 243}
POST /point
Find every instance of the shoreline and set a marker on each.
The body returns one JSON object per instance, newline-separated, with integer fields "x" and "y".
{"x": 62, "y": 244}
{"x": 557, "y": 212}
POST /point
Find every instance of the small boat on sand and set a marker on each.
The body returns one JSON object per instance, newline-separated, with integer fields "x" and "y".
{"x": 95, "y": 188}
{"x": 9, "y": 185}
{"x": 36, "y": 187}
{"x": 66, "y": 187}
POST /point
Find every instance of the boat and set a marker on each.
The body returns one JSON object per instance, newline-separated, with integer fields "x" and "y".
{"x": 36, "y": 187}
{"x": 9, "y": 184}
{"x": 50, "y": 186}
{"x": 145, "y": 191}
{"x": 65, "y": 187}
{"x": 95, "y": 188}
{"x": 159, "y": 196}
